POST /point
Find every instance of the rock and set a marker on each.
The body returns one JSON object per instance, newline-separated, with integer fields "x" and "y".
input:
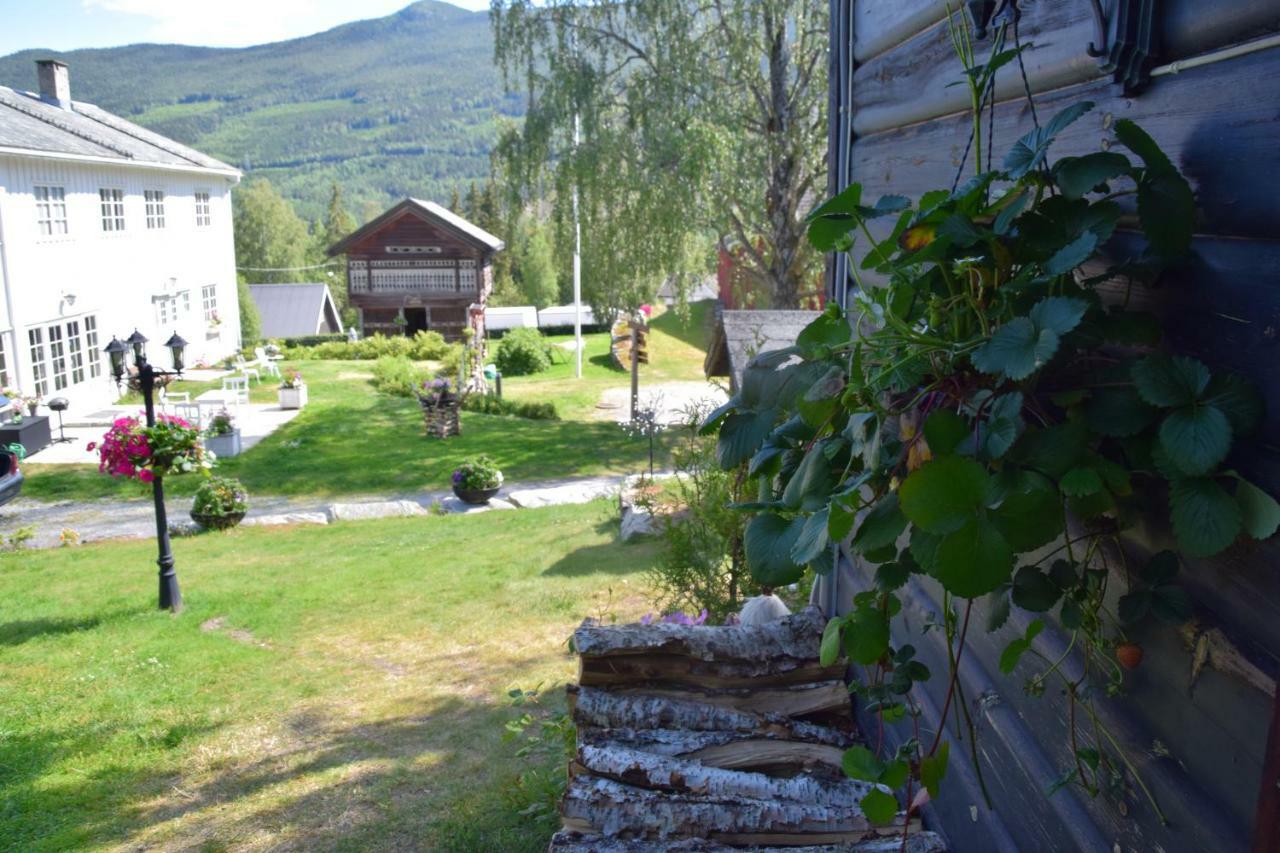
{"x": 374, "y": 509}
{"x": 184, "y": 528}
{"x": 286, "y": 518}
{"x": 569, "y": 493}
{"x": 455, "y": 505}
{"x": 762, "y": 610}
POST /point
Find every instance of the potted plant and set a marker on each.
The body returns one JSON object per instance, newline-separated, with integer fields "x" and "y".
{"x": 132, "y": 450}
{"x": 222, "y": 436}
{"x": 220, "y": 503}
{"x": 477, "y": 480}
{"x": 293, "y": 390}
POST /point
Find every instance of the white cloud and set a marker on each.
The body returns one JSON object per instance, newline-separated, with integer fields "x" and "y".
{"x": 237, "y": 23}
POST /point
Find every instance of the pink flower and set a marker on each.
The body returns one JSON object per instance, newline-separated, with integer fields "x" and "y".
{"x": 93, "y": 445}
{"x": 146, "y": 476}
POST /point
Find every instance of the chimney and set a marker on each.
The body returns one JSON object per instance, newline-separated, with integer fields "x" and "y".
{"x": 55, "y": 82}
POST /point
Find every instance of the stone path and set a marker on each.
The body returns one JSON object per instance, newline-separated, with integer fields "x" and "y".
{"x": 135, "y": 519}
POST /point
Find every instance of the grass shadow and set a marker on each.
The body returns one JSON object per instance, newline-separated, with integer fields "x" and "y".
{"x": 603, "y": 559}
{"x": 20, "y": 631}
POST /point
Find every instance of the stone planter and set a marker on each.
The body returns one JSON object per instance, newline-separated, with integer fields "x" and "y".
{"x": 293, "y": 398}
{"x": 475, "y": 497}
{"x": 217, "y": 522}
{"x": 225, "y": 445}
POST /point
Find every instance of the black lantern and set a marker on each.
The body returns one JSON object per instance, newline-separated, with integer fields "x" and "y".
{"x": 139, "y": 343}
{"x": 176, "y": 345}
{"x": 116, "y": 349}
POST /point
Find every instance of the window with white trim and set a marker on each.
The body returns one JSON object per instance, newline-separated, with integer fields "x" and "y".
{"x": 75, "y": 352}
{"x": 51, "y": 210}
{"x": 39, "y": 365}
{"x": 4, "y": 366}
{"x": 91, "y": 346}
{"x": 155, "y": 208}
{"x": 112, "y": 203}
{"x": 204, "y": 210}
{"x": 209, "y": 303}
{"x": 171, "y": 307}
{"x": 57, "y": 357}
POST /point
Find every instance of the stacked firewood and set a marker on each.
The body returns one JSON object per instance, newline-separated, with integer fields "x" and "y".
{"x": 440, "y": 415}
{"x": 701, "y": 738}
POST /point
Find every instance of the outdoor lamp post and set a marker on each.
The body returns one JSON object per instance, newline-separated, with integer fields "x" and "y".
{"x": 170, "y": 595}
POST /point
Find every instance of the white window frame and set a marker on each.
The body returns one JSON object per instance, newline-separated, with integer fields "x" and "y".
{"x": 51, "y": 210}
{"x": 111, "y": 207}
{"x": 209, "y": 302}
{"x": 75, "y": 351}
{"x": 39, "y": 361}
{"x": 153, "y": 199}
{"x": 90, "y": 323}
{"x": 58, "y": 355}
{"x": 204, "y": 208}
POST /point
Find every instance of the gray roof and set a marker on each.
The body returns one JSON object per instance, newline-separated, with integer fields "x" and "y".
{"x": 468, "y": 231}
{"x": 741, "y": 335}
{"x": 294, "y": 310}
{"x": 28, "y": 123}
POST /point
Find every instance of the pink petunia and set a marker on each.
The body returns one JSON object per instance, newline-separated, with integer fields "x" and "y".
{"x": 146, "y": 475}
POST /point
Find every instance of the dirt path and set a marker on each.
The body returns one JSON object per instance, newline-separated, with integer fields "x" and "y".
{"x": 672, "y": 398}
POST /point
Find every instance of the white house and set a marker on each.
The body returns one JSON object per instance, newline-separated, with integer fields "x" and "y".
{"x": 105, "y": 227}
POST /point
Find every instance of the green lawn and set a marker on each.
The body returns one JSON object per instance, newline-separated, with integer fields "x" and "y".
{"x": 328, "y": 688}
{"x": 352, "y": 440}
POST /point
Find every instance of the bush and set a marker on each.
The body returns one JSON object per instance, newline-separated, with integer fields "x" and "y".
{"x": 522, "y": 352}
{"x": 491, "y": 404}
{"x": 424, "y": 346}
{"x": 220, "y": 503}
{"x": 311, "y": 340}
{"x": 398, "y": 376}
{"x": 479, "y": 472}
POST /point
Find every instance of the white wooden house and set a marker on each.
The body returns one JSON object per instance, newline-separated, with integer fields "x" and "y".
{"x": 105, "y": 227}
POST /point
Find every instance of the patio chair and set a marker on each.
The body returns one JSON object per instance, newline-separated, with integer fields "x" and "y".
{"x": 265, "y": 362}
{"x": 189, "y": 412}
{"x": 173, "y": 399}
{"x": 238, "y": 385}
{"x": 248, "y": 369}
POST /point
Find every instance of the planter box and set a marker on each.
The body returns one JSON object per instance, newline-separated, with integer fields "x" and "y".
{"x": 293, "y": 398}
{"x": 223, "y": 446}
{"x": 475, "y": 497}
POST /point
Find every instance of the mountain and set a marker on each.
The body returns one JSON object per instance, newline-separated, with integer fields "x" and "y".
{"x": 406, "y": 105}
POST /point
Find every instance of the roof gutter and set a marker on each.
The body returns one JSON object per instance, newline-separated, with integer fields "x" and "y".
{"x": 233, "y": 174}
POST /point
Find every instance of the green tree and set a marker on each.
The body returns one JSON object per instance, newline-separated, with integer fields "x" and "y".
{"x": 337, "y": 225}
{"x": 250, "y": 319}
{"x": 695, "y": 119}
{"x": 272, "y": 242}
{"x": 534, "y": 267}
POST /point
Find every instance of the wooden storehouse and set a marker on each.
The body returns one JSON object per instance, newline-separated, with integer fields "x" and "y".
{"x": 419, "y": 267}
{"x": 1201, "y": 79}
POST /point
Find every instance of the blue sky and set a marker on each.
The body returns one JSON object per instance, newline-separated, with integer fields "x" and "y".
{"x": 70, "y": 24}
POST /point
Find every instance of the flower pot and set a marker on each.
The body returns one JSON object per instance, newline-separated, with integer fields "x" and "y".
{"x": 225, "y": 445}
{"x": 293, "y": 398}
{"x": 31, "y": 408}
{"x": 217, "y": 522}
{"x": 475, "y": 497}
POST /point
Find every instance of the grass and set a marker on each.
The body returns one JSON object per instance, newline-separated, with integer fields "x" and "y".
{"x": 330, "y": 688}
{"x": 352, "y": 440}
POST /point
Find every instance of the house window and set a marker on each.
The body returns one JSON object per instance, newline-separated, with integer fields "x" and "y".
{"x": 91, "y": 346}
{"x": 112, "y": 202}
{"x": 204, "y": 210}
{"x": 75, "y": 351}
{"x": 51, "y": 210}
{"x": 155, "y": 208}
{"x": 4, "y": 366}
{"x": 58, "y": 357}
{"x": 170, "y": 308}
{"x": 39, "y": 367}
{"x": 209, "y": 302}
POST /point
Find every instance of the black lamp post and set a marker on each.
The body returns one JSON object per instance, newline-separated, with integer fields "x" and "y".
{"x": 170, "y": 595}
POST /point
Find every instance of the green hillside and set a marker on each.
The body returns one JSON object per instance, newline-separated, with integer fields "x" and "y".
{"x": 403, "y": 105}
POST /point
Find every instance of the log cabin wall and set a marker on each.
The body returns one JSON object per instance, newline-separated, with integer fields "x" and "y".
{"x": 1197, "y": 712}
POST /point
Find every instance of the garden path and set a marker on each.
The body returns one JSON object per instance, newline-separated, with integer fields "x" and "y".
{"x": 53, "y": 523}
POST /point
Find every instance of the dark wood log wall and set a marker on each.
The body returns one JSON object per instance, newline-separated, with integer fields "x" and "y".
{"x": 1199, "y": 734}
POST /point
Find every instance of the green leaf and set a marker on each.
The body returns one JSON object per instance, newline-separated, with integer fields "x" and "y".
{"x": 1238, "y": 399}
{"x": 861, "y": 763}
{"x": 1171, "y": 604}
{"x": 840, "y": 522}
{"x": 1205, "y": 518}
{"x": 961, "y": 230}
{"x": 1118, "y": 412}
{"x": 895, "y": 774}
{"x": 890, "y": 576}
{"x": 1059, "y": 313}
{"x": 933, "y": 768}
{"x": 1056, "y": 450}
{"x": 810, "y": 486}
{"x": 741, "y": 435}
{"x": 768, "y": 541}
{"x": 1029, "y": 151}
{"x": 881, "y": 526}
{"x": 880, "y": 808}
{"x": 1259, "y": 512}
{"x": 1161, "y": 568}
{"x": 1079, "y": 482}
{"x": 1016, "y": 350}
{"x": 943, "y": 430}
{"x": 1012, "y": 654}
{"x": 1134, "y": 605}
{"x": 712, "y": 421}
{"x": 1004, "y": 219}
{"x": 1140, "y": 142}
{"x": 945, "y": 493}
{"x": 1032, "y": 590}
{"x": 997, "y": 609}
{"x": 1072, "y": 255}
{"x": 1196, "y": 438}
{"x": 812, "y": 541}
{"x": 829, "y": 650}
{"x": 1170, "y": 381}
{"x": 1077, "y": 176}
{"x": 1167, "y": 211}
{"x": 973, "y": 560}
{"x": 825, "y": 331}
{"x": 866, "y": 637}
{"x": 1030, "y": 513}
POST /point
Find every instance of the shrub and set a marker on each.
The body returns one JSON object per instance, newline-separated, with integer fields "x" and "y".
{"x": 451, "y": 364}
{"x": 398, "y": 376}
{"x": 476, "y": 473}
{"x": 522, "y": 352}
{"x": 491, "y": 404}
{"x": 220, "y": 503}
{"x": 424, "y": 346}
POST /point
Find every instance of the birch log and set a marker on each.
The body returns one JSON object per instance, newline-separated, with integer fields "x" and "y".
{"x": 568, "y": 841}
{"x": 625, "y": 670}
{"x": 797, "y": 638}
{"x": 830, "y": 697}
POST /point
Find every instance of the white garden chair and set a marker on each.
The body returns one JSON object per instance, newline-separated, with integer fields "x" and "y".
{"x": 247, "y": 369}
{"x": 174, "y": 399}
{"x": 237, "y": 385}
{"x": 267, "y": 366}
